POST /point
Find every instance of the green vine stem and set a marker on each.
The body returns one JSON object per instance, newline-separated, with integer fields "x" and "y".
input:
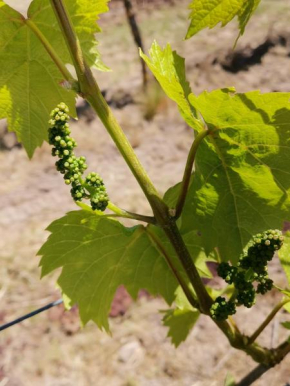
{"x": 190, "y": 297}
{"x": 181, "y": 250}
{"x": 187, "y": 172}
{"x": 234, "y": 324}
{"x": 255, "y": 374}
{"x": 269, "y": 318}
{"x": 261, "y": 369}
{"x": 283, "y": 350}
{"x": 89, "y": 89}
{"x": 118, "y": 212}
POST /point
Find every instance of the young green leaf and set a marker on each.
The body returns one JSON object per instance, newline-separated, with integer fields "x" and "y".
{"x": 241, "y": 183}
{"x": 284, "y": 256}
{"x": 180, "y": 322}
{"x": 169, "y": 69}
{"x": 229, "y": 290}
{"x": 208, "y": 13}
{"x": 286, "y": 325}
{"x": 229, "y": 381}
{"x": 287, "y": 307}
{"x": 29, "y": 79}
{"x": 246, "y": 13}
{"x": 172, "y": 194}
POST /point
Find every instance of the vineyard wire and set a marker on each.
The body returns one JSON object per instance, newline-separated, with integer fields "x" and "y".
{"x": 30, "y": 314}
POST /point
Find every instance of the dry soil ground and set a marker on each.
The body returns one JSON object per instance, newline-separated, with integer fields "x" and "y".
{"x": 51, "y": 349}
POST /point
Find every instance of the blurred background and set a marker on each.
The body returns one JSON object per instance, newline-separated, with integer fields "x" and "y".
{"x": 51, "y": 349}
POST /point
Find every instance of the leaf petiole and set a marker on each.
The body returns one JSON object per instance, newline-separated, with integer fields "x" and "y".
{"x": 190, "y": 297}
{"x": 118, "y": 212}
{"x": 187, "y": 172}
{"x": 269, "y": 318}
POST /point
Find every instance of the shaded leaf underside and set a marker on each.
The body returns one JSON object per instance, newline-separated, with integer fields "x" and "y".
{"x": 242, "y": 178}
{"x": 180, "y": 322}
{"x": 241, "y": 182}
{"x": 98, "y": 254}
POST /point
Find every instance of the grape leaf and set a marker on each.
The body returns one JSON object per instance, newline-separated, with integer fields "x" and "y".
{"x": 84, "y": 14}
{"x": 284, "y": 256}
{"x": 193, "y": 242}
{"x": 287, "y": 307}
{"x": 172, "y": 194}
{"x": 180, "y": 322}
{"x": 227, "y": 291}
{"x": 169, "y": 69}
{"x": 246, "y": 13}
{"x": 181, "y": 300}
{"x": 286, "y": 325}
{"x": 241, "y": 183}
{"x": 229, "y": 381}
{"x": 208, "y": 13}
{"x": 30, "y": 82}
{"x": 192, "y": 237}
{"x": 97, "y": 255}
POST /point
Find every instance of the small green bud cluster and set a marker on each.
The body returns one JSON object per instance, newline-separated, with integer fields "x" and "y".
{"x": 77, "y": 192}
{"x": 73, "y": 167}
{"x": 221, "y": 309}
{"x": 99, "y": 198}
{"x": 262, "y": 250}
{"x": 265, "y": 285}
{"x": 252, "y": 267}
{"x": 227, "y": 272}
{"x": 245, "y": 291}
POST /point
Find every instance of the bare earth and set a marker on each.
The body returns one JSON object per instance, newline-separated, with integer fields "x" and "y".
{"x": 51, "y": 349}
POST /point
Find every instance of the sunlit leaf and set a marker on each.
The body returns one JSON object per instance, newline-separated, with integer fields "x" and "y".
{"x": 30, "y": 82}
{"x": 209, "y": 13}
{"x": 169, "y": 69}
{"x": 229, "y": 381}
{"x": 284, "y": 255}
{"x": 241, "y": 182}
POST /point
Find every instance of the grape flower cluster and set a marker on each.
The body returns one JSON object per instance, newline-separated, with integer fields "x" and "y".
{"x": 252, "y": 267}
{"x": 221, "y": 309}
{"x": 72, "y": 167}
